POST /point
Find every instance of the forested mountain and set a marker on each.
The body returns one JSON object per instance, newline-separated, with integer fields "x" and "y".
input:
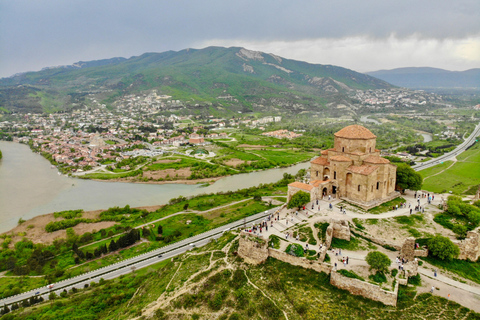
{"x": 229, "y": 77}
{"x": 417, "y": 78}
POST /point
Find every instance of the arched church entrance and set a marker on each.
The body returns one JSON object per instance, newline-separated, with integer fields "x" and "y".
{"x": 324, "y": 191}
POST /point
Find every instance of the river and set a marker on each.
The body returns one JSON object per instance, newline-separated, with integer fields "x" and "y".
{"x": 29, "y": 187}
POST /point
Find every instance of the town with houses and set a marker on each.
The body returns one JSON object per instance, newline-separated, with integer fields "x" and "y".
{"x": 146, "y": 124}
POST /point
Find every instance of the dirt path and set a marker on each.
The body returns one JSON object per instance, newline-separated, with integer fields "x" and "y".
{"x": 433, "y": 175}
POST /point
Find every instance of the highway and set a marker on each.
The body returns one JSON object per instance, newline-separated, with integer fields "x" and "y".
{"x": 138, "y": 262}
{"x": 452, "y": 154}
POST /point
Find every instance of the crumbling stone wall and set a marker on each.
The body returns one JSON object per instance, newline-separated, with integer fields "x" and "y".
{"x": 253, "y": 249}
{"x": 301, "y": 262}
{"x": 337, "y": 229}
{"x": 410, "y": 269}
{"x": 378, "y": 241}
{"x": 470, "y": 247}
{"x": 408, "y": 249}
{"x": 365, "y": 289}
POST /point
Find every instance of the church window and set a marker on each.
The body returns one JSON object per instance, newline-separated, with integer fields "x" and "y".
{"x": 378, "y": 185}
{"x": 343, "y": 149}
{"x": 334, "y": 174}
{"x": 370, "y": 149}
{"x": 317, "y": 173}
{"x": 358, "y": 187}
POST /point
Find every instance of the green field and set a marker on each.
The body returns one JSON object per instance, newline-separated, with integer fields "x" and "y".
{"x": 461, "y": 178}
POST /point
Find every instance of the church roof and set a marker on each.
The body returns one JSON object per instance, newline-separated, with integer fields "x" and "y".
{"x": 301, "y": 185}
{"x": 355, "y": 132}
{"x": 364, "y": 169}
{"x": 376, "y": 159}
{"x": 340, "y": 158}
{"x": 316, "y": 183}
{"x": 325, "y": 152}
{"x": 321, "y": 161}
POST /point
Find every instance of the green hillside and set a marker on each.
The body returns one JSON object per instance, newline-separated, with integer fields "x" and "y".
{"x": 247, "y": 80}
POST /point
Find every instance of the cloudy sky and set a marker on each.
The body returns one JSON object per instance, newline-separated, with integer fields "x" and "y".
{"x": 363, "y": 35}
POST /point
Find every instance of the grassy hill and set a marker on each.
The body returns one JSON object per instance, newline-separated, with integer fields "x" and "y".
{"x": 231, "y": 77}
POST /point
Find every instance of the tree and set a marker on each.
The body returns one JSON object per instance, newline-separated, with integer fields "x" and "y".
{"x": 407, "y": 178}
{"x": 378, "y": 261}
{"x": 160, "y": 229}
{"x": 113, "y": 246}
{"x": 298, "y": 199}
{"x": 443, "y": 248}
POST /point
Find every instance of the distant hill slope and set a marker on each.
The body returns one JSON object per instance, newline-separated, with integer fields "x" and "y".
{"x": 429, "y": 78}
{"x": 226, "y": 76}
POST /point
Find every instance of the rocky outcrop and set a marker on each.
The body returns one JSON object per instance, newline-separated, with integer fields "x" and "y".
{"x": 253, "y": 249}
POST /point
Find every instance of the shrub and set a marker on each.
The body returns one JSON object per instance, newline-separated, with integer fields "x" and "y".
{"x": 378, "y": 261}
{"x": 378, "y": 277}
{"x": 415, "y": 280}
{"x": 350, "y": 274}
{"x": 443, "y": 248}
{"x": 394, "y": 272}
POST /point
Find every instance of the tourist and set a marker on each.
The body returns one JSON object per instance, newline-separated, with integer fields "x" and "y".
{"x": 431, "y": 290}
{"x": 347, "y": 259}
{"x": 335, "y": 266}
{"x": 329, "y": 197}
{"x": 344, "y": 211}
{"x": 410, "y": 210}
{"x": 435, "y": 272}
{"x": 344, "y": 263}
{"x": 339, "y": 252}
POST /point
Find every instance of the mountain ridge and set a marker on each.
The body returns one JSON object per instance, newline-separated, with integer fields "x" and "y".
{"x": 428, "y": 77}
{"x": 196, "y": 75}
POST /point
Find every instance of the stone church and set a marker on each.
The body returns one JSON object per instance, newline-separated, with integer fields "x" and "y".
{"x": 352, "y": 170}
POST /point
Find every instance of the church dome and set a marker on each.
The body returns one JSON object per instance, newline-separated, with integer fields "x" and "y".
{"x": 355, "y": 132}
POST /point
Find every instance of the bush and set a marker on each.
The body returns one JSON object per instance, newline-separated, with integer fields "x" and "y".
{"x": 378, "y": 261}
{"x": 298, "y": 199}
{"x": 378, "y": 277}
{"x": 394, "y": 272}
{"x": 415, "y": 280}
{"x": 295, "y": 250}
{"x": 350, "y": 274}
{"x": 443, "y": 248}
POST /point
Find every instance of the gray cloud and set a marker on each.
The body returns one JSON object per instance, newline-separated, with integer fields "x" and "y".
{"x": 36, "y": 34}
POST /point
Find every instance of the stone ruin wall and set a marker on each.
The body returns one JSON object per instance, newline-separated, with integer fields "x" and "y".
{"x": 253, "y": 249}
{"x": 301, "y": 262}
{"x": 380, "y": 242}
{"x": 337, "y": 229}
{"x": 409, "y": 252}
{"x": 470, "y": 247}
{"x": 364, "y": 289}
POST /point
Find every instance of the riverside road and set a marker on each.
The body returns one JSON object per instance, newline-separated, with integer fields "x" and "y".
{"x": 138, "y": 262}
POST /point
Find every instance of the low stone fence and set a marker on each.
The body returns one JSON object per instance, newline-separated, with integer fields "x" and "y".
{"x": 301, "y": 262}
{"x": 365, "y": 289}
